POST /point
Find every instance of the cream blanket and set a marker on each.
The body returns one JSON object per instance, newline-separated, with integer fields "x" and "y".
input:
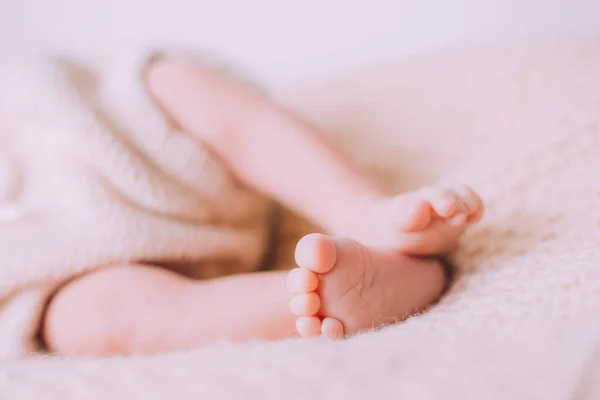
{"x": 522, "y": 125}
{"x": 91, "y": 174}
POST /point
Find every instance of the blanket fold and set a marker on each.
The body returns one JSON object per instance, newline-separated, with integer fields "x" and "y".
{"x": 94, "y": 175}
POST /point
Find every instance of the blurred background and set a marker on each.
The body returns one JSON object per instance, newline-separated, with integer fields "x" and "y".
{"x": 283, "y": 41}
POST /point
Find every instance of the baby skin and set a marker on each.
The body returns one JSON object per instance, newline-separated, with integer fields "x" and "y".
{"x": 379, "y": 267}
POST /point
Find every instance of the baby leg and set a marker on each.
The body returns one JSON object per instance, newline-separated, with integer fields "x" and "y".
{"x": 341, "y": 287}
{"x": 140, "y": 309}
{"x": 311, "y": 177}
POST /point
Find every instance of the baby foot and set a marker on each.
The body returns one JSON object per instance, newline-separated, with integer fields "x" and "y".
{"x": 427, "y": 221}
{"x": 342, "y": 287}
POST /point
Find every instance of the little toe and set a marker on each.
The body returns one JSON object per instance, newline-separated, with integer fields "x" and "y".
{"x": 305, "y": 304}
{"x": 470, "y": 199}
{"x": 460, "y": 215}
{"x": 302, "y": 280}
{"x": 478, "y": 214}
{"x": 316, "y": 252}
{"x": 332, "y": 328}
{"x": 308, "y": 326}
{"x": 412, "y": 214}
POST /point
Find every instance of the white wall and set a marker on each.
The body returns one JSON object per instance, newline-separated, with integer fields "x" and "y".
{"x": 284, "y": 40}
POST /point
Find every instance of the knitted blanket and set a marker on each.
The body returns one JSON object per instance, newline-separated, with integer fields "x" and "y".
{"x": 92, "y": 174}
{"x": 521, "y": 123}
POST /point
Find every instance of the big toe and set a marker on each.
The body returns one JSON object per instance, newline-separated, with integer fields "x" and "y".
{"x": 316, "y": 252}
{"x": 412, "y": 214}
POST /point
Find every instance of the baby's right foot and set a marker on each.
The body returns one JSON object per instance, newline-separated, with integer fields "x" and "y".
{"x": 342, "y": 287}
{"x": 427, "y": 221}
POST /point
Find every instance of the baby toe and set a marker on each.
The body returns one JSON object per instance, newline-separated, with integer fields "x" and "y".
{"x": 308, "y": 326}
{"x": 470, "y": 199}
{"x": 412, "y": 214}
{"x": 316, "y": 252}
{"x": 478, "y": 214}
{"x": 305, "y": 304}
{"x": 332, "y": 328}
{"x": 444, "y": 202}
{"x": 302, "y": 280}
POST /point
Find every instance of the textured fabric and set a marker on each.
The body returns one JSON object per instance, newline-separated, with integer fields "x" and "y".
{"x": 521, "y": 124}
{"x": 93, "y": 175}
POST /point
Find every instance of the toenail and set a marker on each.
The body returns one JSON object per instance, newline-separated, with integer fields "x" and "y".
{"x": 468, "y": 197}
{"x": 471, "y": 204}
{"x": 447, "y": 209}
{"x": 458, "y": 219}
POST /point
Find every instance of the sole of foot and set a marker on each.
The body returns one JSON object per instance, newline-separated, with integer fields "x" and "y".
{"x": 342, "y": 287}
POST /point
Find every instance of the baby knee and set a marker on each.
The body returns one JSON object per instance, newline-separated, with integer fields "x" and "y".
{"x": 82, "y": 317}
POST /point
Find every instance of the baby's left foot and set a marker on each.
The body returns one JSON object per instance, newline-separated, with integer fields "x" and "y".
{"x": 427, "y": 221}
{"x": 342, "y": 287}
